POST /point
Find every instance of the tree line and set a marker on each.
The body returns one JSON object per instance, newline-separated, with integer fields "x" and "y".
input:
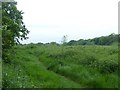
{"x": 103, "y": 40}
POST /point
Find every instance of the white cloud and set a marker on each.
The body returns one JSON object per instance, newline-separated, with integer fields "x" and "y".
{"x": 51, "y": 19}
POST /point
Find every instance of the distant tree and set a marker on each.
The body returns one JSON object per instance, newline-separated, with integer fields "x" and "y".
{"x": 64, "y": 40}
{"x": 89, "y": 42}
{"x": 40, "y": 43}
{"x": 54, "y": 43}
{"x": 82, "y": 42}
{"x": 72, "y": 42}
{"x": 103, "y": 40}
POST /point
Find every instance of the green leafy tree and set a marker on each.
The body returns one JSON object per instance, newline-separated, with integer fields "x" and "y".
{"x": 13, "y": 28}
{"x": 72, "y": 42}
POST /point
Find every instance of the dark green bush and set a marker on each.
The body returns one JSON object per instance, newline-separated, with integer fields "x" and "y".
{"x": 108, "y": 67}
{"x": 88, "y": 60}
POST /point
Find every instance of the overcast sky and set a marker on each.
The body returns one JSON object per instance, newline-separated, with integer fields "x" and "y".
{"x": 49, "y": 20}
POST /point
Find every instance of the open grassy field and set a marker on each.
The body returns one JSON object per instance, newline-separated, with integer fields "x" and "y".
{"x": 52, "y": 66}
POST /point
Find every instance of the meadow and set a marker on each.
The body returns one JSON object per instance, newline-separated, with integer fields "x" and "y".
{"x": 57, "y": 66}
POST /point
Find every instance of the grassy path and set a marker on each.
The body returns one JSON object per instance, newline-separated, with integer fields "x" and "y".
{"x": 51, "y": 67}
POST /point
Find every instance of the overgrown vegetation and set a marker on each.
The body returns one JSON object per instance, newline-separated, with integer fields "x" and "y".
{"x": 52, "y": 66}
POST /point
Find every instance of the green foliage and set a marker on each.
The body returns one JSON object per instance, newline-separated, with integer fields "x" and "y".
{"x": 104, "y": 40}
{"x": 52, "y": 66}
{"x": 16, "y": 77}
{"x": 13, "y": 27}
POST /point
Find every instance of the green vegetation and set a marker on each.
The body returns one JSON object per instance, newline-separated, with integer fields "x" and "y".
{"x": 76, "y": 64}
{"x": 103, "y": 40}
{"x": 52, "y": 66}
{"x": 13, "y": 28}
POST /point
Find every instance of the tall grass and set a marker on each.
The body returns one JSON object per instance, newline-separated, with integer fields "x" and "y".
{"x": 52, "y": 66}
